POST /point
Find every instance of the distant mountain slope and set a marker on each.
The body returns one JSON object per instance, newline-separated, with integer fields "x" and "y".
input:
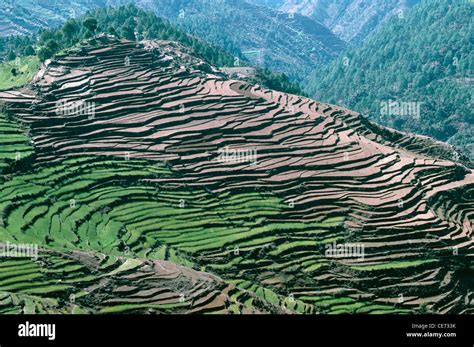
{"x": 19, "y": 17}
{"x": 351, "y": 20}
{"x": 415, "y": 74}
{"x": 279, "y": 203}
{"x": 268, "y": 38}
{"x": 131, "y": 23}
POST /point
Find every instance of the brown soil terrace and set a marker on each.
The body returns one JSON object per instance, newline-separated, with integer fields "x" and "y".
{"x": 400, "y": 193}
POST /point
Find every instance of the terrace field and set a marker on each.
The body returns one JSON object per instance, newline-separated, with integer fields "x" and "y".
{"x": 134, "y": 211}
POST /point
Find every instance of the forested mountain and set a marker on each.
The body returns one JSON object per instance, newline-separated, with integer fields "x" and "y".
{"x": 268, "y": 38}
{"x": 423, "y": 60}
{"x": 291, "y": 44}
{"x": 131, "y": 23}
{"x": 351, "y": 20}
{"x": 125, "y": 21}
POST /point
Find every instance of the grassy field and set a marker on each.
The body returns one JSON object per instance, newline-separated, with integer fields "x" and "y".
{"x": 16, "y": 73}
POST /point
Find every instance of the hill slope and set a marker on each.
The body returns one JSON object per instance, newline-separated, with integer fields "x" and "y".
{"x": 266, "y": 37}
{"x": 351, "y": 20}
{"x": 127, "y": 22}
{"x": 150, "y": 158}
{"x": 290, "y": 45}
{"x": 20, "y": 17}
{"x": 415, "y": 74}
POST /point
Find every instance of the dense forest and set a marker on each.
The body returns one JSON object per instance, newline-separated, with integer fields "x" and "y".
{"x": 126, "y": 21}
{"x": 271, "y": 39}
{"x": 131, "y": 23}
{"x": 424, "y": 57}
{"x": 351, "y": 20}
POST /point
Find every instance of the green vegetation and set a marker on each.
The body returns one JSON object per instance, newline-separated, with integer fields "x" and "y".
{"x": 394, "y": 265}
{"x": 17, "y": 72}
{"x": 277, "y": 81}
{"x": 104, "y": 221}
{"x": 268, "y": 38}
{"x": 133, "y": 24}
{"x": 128, "y": 22}
{"x": 426, "y": 57}
{"x": 109, "y": 205}
{"x": 14, "y": 145}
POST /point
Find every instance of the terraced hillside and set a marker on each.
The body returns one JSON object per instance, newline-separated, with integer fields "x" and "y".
{"x": 156, "y": 184}
{"x": 79, "y": 282}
